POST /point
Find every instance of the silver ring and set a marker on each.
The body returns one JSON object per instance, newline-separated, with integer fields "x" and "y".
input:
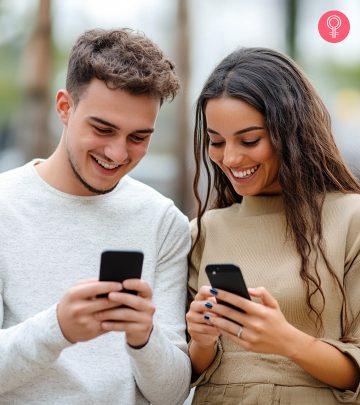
{"x": 240, "y": 331}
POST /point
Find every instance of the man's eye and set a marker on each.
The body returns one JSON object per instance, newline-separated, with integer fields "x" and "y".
{"x": 137, "y": 138}
{"x": 103, "y": 131}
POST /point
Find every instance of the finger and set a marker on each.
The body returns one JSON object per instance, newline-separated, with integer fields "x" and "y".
{"x": 203, "y": 329}
{"x": 122, "y": 314}
{"x": 237, "y": 301}
{"x": 241, "y": 342}
{"x": 100, "y": 304}
{"x": 201, "y": 306}
{"x": 234, "y": 315}
{"x": 133, "y": 301}
{"x": 224, "y": 325}
{"x": 197, "y": 318}
{"x": 93, "y": 289}
{"x": 128, "y": 327}
{"x": 198, "y": 325}
{"x": 86, "y": 281}
{"x": 263, "y": 294}
{"x": 204, "y": 293}
{"x": 141, "y": 286}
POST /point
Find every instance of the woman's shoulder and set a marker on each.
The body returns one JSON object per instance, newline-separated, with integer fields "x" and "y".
{"x": 349, "y": 201}
{"x": 340, "y": 208}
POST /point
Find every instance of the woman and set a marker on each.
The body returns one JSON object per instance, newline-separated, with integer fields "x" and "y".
{"x": 286, "y": 209}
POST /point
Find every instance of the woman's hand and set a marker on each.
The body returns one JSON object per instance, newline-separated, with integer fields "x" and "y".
{"x": 204, "y": 335}
{"x": 199, "y": 328}
{"x": 261, "y": 328}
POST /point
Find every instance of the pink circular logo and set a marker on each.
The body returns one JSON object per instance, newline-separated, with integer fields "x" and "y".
{"x": 334, "y": 26}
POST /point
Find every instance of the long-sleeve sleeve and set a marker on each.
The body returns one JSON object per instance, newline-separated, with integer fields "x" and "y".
{"x": 162, "y": 367}
{"x": 352, "y": 288}
{"x": 28, "y": 348}
{"x": 194, "y": 266}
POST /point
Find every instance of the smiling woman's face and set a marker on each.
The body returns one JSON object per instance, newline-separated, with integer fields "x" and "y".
{"x": 240, "y": 145}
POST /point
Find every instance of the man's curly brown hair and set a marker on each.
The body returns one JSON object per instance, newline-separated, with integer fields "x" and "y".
{"x": 123, "y": 59}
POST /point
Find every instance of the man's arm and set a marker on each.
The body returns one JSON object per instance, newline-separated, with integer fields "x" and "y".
{"x": 30, "y": 347}
{"x": 162, "y": 367}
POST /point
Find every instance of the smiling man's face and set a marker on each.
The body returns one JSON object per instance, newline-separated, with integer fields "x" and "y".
{"x": 105, "y": 136}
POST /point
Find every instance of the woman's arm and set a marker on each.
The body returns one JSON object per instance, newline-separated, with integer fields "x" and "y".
{"x": 201, "y": 356}
{"x": 265, "y": 330}
{"x": 323, "y": 361}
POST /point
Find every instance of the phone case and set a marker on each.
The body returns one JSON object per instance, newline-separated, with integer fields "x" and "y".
{"x": 227, "y": 277}
{"x": 119, "y": 265}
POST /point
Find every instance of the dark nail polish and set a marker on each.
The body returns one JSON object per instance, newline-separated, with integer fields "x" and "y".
{"x": 213, "y": 291}
{"x": 209, "y": 305}
{"x": 207, "y": 317}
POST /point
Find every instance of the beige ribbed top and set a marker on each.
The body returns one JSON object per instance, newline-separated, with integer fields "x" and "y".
{"x": 252, "y": 235}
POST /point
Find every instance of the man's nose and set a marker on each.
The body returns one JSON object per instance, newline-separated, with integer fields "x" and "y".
{"x": 117, "y": 151}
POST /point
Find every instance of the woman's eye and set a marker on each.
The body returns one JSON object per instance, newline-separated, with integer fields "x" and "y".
{"x": 216, "y": 144}
{"x": 250, "y": 143}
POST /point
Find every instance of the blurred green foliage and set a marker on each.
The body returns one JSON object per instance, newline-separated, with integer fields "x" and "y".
{"x": 346, "y": 75}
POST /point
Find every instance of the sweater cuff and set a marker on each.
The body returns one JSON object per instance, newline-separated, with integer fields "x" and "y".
{"x": 149, "y": 349}
{"x": 353, "y": 352}
{"x": 52, "y": 335}
{"x": 205, "y": 376}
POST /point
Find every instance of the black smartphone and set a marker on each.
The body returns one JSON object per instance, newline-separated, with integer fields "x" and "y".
{"x": 227, "y": 277}
{"x": 119, "y": 265}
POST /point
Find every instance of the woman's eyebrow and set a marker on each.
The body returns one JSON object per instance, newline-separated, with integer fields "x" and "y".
{"x": 241, "y": 131}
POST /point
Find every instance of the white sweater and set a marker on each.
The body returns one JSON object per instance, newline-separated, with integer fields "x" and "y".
{"x": 50, "y": 240}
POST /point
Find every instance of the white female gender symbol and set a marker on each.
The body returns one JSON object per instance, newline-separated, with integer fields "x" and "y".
{"x": 335, "y": 27}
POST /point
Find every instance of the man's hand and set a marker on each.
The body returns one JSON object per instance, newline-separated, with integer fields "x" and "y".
{"x": 132, "y": 314}
{"x": 76, "y": 310}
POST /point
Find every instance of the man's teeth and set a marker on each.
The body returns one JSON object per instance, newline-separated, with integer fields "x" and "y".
{"x": 244, "y": 173}
{"x": 106, "y": 165}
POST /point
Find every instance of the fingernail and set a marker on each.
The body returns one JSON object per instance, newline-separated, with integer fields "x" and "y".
{"x": 207, "y": 317}
{"x": 213, "y": 291}
{"x": 209, "y": 305}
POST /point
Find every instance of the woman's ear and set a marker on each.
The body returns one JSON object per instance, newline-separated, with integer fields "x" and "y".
{"x": 64, "y": 103}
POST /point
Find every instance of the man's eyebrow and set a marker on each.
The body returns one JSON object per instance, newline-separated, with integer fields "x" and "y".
{"x": 144, "y": 131}
{"x": 110, "y": 124}
{"x": 104, "y": 122}
{"x": 241, "y": 131}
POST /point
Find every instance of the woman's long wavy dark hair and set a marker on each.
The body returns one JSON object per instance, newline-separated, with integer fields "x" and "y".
{"x": 300, "y": 131}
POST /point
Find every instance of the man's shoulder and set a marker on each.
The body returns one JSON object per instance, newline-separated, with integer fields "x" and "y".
{"x": 13, "y": 177}
{"x": 143, "y": 193}
{"x": 149, "y": 202}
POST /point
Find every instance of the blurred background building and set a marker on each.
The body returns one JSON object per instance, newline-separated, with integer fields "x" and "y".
{"x": 36, "y": 37}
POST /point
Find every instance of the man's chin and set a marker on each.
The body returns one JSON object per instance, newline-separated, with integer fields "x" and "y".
{"x": 88, "y": 186}
{"x": 98, "y": 191}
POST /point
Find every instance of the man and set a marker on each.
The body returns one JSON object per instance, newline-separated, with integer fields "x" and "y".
{"x": 60, "y": 343}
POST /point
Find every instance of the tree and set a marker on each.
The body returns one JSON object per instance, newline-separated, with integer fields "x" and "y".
{"x": 33, "y": 134}
{"x": 183, "y": 64}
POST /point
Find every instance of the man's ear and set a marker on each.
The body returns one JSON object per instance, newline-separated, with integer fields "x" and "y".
{"x": 64, "y": 104}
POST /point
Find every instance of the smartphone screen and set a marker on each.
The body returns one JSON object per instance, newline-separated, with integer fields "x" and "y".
{"x": 227, "y": 277}
{"x": 119, "y": 265}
